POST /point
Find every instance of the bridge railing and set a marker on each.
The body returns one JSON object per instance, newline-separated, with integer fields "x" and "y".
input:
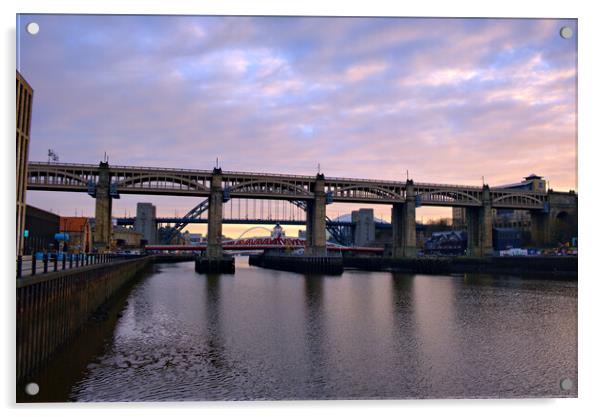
{"x": 225, "y": 174}
{"x": 454, "y": 186}
{"x": 30, "y": 265}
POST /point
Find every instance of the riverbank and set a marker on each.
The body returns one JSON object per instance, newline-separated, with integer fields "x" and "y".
{"x": 325, "y": 265}
{"x": 561, "y": 267}
{"x": 53, "y": 307}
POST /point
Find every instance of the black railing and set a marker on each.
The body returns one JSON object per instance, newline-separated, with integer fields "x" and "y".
{"x": 53, "y": 263}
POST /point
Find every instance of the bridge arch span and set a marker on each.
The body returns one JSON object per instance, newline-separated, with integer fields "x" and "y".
{"x": 511, "y": 198}
{"x": 149, "y": 179}
{"x": 448, "y": 196}
{"x": 66, "y": 177}
{"x": 373, "y": 190}
{"x": 253, "y": 228}
{"x": 252, "y": 186}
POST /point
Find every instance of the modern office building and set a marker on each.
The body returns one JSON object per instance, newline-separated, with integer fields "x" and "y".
{"x": 24, "y": 100}
{"x": 41, "y": 226}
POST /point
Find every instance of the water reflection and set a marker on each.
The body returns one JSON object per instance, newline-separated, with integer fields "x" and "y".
{"x": 435, "y": 313}
{"x": 213, "y": 346}
{"x": 314, "y": 384}
{"x": 405, "y": 331}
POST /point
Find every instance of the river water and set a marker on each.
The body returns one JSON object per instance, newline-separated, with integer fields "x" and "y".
{"x": 264, "y": 334}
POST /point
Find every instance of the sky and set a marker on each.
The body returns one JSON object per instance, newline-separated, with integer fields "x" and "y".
{"x": 443, "y": 100}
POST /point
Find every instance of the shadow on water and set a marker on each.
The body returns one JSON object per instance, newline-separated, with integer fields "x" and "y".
{"x": 70, "y": 364}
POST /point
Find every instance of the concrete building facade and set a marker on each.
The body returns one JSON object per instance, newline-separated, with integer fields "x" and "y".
{"x": 125, "y": 238}
{"x": 364, "y": 230}
{"x": 145, "y": 224}
{"x": 23, "y": 123}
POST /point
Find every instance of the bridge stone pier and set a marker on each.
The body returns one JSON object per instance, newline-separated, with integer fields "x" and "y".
{"x": 104, "y": 204}
{"x": 557, "y": 222}
{"x": 216, "y": 201}
{"x": 540, "y": 228}
{"x": 479, "y": 221}
{"x": 316, "y": 220}
{"x": 215, "y": 260}
{"x": 403, "y": 223}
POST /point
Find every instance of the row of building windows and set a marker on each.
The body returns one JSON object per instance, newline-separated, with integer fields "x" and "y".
{"x": 23, "y": 111}
{"x": 22, "y": 157}
{"x": 24, "y": 96}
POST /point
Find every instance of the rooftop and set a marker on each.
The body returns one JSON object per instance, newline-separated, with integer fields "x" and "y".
{"x": 73, "y": 224}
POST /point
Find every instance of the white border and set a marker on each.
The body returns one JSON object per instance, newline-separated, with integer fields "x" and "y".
{"x": 589, "y": 161}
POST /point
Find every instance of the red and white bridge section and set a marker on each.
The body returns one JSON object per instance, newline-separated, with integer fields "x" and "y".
{"x": 262, "y": 243}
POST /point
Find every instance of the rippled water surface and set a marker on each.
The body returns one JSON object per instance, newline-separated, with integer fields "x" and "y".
{"x": 263, "y": 334}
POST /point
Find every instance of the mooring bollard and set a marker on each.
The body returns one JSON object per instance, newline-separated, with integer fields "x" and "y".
{"x": 19, "y": 266}
{"x": 55, "y": 262}
{"x": 45, "y": 261}
{"x": 70, "y": 261}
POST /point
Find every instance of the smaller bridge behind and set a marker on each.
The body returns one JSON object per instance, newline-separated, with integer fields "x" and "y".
{"x": 261, "y": 243}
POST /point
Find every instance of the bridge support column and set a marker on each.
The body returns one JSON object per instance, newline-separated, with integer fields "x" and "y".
{"x": 104, "y": 204}
{"x": 315, "y": 243}
{"x": 214, "y": 232}
{"x": 403, "y": 221}
{"x": 540, "y": 228}
{"x": 557, "y": 222}
{"x": 479, "y": 222}
{"x": 215, "y": 261}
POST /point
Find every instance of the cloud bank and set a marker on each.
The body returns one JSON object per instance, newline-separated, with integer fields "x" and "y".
{"x": 450, "y": 100}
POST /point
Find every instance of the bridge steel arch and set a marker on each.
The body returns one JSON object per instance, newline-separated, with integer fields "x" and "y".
{"x": 253, "y": 228}
{"x": 139, "y": 181}
{"x": 518, "y": 199}
{"x": 273, "y": 188}
{"x": 447, "y": 197}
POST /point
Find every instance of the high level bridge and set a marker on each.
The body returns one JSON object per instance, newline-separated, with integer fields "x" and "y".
{"x": 312, "y": 193}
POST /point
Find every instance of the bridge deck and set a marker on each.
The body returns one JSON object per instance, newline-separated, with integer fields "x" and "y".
{"x": 196, "y": 183}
